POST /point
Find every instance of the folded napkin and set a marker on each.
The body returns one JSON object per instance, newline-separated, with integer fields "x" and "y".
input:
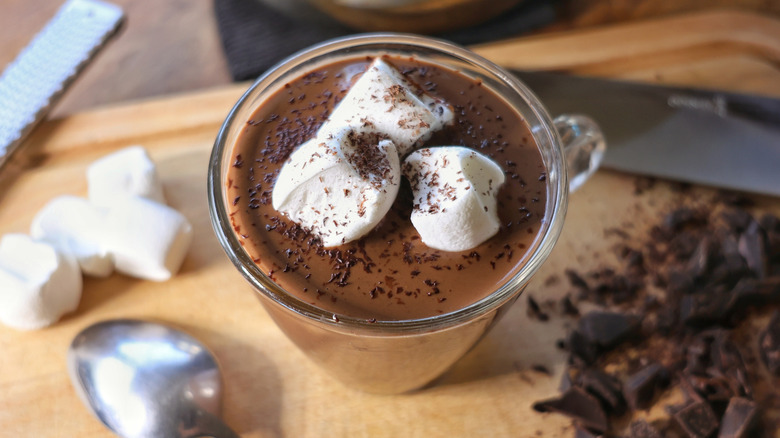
{"x": 256, "y": 36}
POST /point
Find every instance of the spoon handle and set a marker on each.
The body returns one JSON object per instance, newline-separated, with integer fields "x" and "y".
{"x": 210, "y": 426}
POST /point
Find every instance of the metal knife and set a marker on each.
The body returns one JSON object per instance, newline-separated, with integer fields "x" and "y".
{"x": 708, "y": 137}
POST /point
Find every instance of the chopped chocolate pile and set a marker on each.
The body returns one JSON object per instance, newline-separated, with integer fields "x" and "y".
{"x": 679, "y": 316}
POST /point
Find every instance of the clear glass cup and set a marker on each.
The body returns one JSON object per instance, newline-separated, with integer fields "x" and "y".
{"x": 399, "y": 356}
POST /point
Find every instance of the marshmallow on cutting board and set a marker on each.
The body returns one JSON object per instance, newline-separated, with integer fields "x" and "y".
{"x": 75, "y": 226}
{"x": 454, "y": 199}
{"x": 127, "y": 172}
{"x": 384, "y": 101}
{"x": 38, "y": 284}
{"x": 341, "y": 186}
{"x": 147, "y": 239}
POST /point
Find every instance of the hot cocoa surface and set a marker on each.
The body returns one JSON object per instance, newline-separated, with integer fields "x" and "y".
{"x": 388, "y": 274}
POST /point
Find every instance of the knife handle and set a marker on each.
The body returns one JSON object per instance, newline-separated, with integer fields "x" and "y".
{"x": 583, "y": 146}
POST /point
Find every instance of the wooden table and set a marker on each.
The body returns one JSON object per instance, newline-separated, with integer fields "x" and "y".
{"x": 176, "y": 46}
{"x": 271, "y": 390}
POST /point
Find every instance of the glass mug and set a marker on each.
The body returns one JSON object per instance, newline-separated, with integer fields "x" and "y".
{"x": 399, "y": 356}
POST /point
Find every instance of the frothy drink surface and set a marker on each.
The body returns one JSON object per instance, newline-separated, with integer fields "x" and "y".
{"x": 389, "y": 274}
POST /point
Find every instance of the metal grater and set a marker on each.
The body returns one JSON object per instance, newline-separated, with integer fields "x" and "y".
{"x": 35, "y": 80}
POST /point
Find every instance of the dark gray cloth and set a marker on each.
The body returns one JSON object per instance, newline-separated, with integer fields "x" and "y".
{"x": 255, "y": 36}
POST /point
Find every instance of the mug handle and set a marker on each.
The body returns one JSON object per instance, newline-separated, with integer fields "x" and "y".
{"x": 583, "y": 146}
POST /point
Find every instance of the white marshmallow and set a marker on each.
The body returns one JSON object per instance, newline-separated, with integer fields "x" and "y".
{"x": 75, "y": 226}
{"x": 341, "y": 186}
{"x": 127, "y": 172}
{"x": 38, "y": 284}
{"x": 455, "y": 192}
{"x": 147, "y": 239}
{"x": 384, "y": 101}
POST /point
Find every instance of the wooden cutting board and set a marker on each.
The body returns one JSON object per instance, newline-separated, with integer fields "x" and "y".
{"x": 272, "y": 390}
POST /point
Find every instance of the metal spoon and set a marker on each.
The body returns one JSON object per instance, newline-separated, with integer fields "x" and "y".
{"x": 143, "y": 379}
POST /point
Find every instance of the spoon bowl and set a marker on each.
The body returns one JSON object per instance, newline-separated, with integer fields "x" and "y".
{"x": 143, "y": 379}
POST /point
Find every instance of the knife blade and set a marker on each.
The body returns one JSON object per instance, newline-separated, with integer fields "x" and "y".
{"x": 708, "y": 137}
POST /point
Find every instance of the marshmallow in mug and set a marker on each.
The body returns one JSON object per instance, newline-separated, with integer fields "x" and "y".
{"x": 454, "y": 194}
{"x": 342, "y": 183}
{"x": 75, "y": 226}
{"x": 127, "y": 172}
{"x": 341, "y": 186}
{"x": 384, "y": 101}
{"x": 38, "y": 283}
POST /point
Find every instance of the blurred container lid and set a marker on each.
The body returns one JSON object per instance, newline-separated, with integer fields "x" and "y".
{"x": 418, "y": 16}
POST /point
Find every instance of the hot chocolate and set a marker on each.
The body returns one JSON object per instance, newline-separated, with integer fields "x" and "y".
{"x": 388, "y": 274}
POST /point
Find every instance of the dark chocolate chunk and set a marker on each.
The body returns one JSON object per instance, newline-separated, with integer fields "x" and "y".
{"x": 639, "y": 389}
{"x": 736, "y": 219}
{"x": 608, "y": 329}
{"x": 541, "y": 369}
{"x": 752, "y": 292}
{"x": 678, "y": 219}
{"x": 771, "y": 226}
{"x": 715, "y": 369}
{"x": 735, "y": 199}
{"x": 769, "y": 223}
{"x": 680, "y": 281}
{"x": 581, "y": 348}
{"x": 576, "y": 280}
{"x": 739, "y": 418}
{"x": 723, "y": 354}
{"x": 580, "y": 406}
{"x": 642, "y": 429}
{"x": 606, "y": 388}
{"x": 635, "y": 263}
{"x": 683, "y": 244}
{"x": 666, "y": 319}
{"x": 697, "y": 351}
{"x": 617, "y": 288}
{"x": 705, "y": 307}
{"x": 568, "y": 307}
{"x": 751, "y": 247}
{"x": 731, "y": 266}
{"x": 769, "y": 344}
{"x": 584, "y": 433}
{"x": 535, "y": 311}
{"x": 566, "y": 381}
{"x": 701, "y": 259}
{"x": 713, "y": 389}
{"x": 697, "y": 420}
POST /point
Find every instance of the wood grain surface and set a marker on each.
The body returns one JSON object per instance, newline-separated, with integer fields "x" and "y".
{"x": 271, "y": 389}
